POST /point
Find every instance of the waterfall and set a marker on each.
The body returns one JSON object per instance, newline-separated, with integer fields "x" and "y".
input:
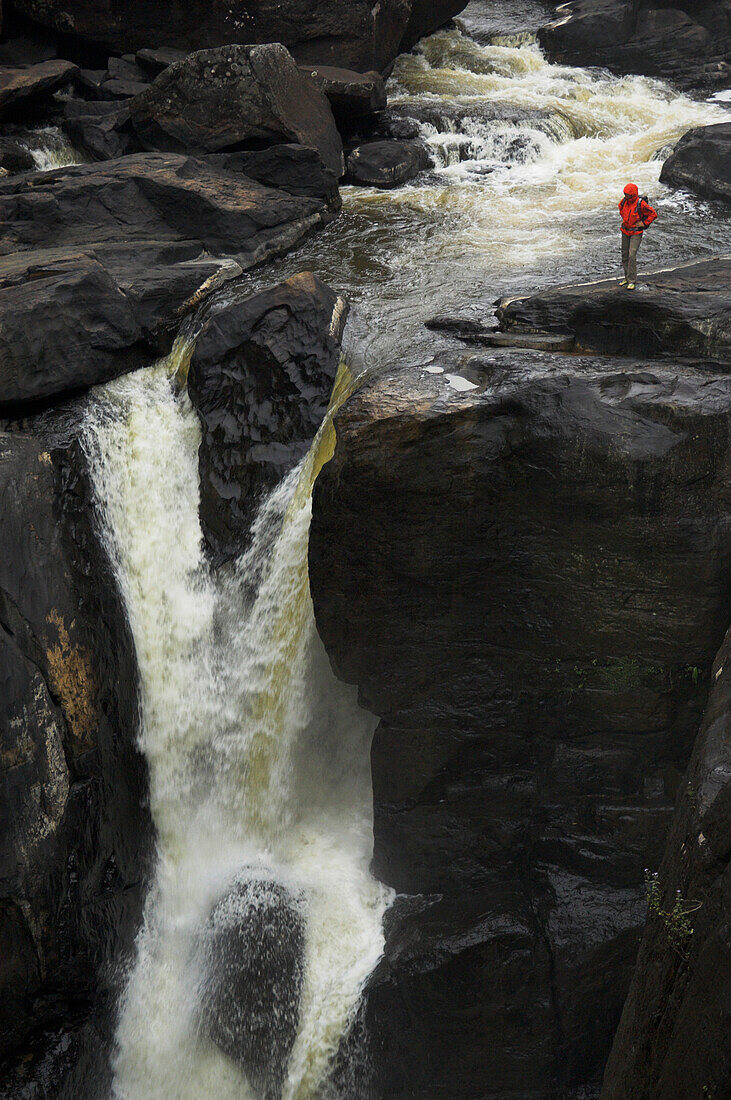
{"x": 50, "y": 148}
{"x": 258, "y": 756}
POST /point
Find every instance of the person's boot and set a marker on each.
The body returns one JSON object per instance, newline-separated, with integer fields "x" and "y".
{"x": 630, "y": 286}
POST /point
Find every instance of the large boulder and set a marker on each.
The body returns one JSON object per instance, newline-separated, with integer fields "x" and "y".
{"x": 387, "y": 164}
{"x": 352, "y": 96}
{"x": 28, "y": 85}
{"x": 523, "y": 563}
{"x": 216, "y": 99}
{"x": 684, "y": 310}
{"x": 260, "y": 379}
{"x": 673, "y": 1036}
{"x": 701, "y": 162}
{"x": 251, "y": 954}
{"x": 97, "y": 261}
{"x": 687, "y": 41}
{"x": 296, "y": 169}
{"x": 75, "y": 831}
{"x": 354, "y": 33}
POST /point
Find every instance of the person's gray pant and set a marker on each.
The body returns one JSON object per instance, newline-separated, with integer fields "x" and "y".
{"x": 630, "y": 248}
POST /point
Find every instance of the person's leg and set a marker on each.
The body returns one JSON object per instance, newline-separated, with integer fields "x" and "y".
{"x": 634, "y": 244}
{"x": 625, "y": 253}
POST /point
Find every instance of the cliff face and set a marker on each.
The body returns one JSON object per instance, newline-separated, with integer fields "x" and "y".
{"x": 673, "y": 1037}
{"x": 528, "y": 580}
{"x": 75, "y": 831}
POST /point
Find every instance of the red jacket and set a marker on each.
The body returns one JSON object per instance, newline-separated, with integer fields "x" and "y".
{"x": 634, "y": 211}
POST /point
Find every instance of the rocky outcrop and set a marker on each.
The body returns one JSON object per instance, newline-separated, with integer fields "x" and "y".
{"x": 251, "y": 954}
{"x": 426, "y": 16}
{"x": 295, "y": 169}
{"x": 523, "y": 563}
{"x": 686, "y": 41}
{"x": 102, "y": 130}
{"x": 216, "y": 99}
{"x": 353, "y": 33}
{"x": 701, "y": 162}
{"x": 673, "y": 1037}
{"x": 352, "y": 96}
{"x": 21, "y": 87}
{"x": 260, "y": 379}
{"x": 682, "y": 311}
{"x": 75, "y": 833}
{"x": 386, "y": 164}
{"x": 96, "y": 261}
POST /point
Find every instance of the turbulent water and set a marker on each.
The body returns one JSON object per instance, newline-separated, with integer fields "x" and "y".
{"x": 50, "y": 148}
{"x": 259, "y": 758}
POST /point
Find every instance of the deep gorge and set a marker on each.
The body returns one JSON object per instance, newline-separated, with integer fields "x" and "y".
{"x": 364, "y": 586}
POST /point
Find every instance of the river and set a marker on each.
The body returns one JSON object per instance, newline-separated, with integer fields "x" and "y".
{"x": 259, "y": 758}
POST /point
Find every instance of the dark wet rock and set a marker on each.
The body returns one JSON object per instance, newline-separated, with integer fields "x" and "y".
{"x": 101, "y": 129}
{"x": 682, "y": 311}
{"x": 386, "y": 163}
{"x": 353, "y": 33}
{"x": 66, "y": 325}
{"x": 151, "y": 229}
{"x": 91, "y": 82}
{"x": 18, "y": 53}
{"x": 123, "y": 89}
{"x": 701, "y": 162}
{"x": 351, "y": 95}
{"x": 672, "y": 1040}
{"x": 528, "y": 581}
{"x": 685, "y": 41}
{"x": 251, "y": 954}
{"x": 260, "y": 379}
{"x": 220, "y": 98}
{"x": 153, "y": 62}
{"x": 29, "y": 85}
{"x": 426, "y": 17}
{"x": 119, "y": 69}
{"x": 14, "y": 157}
{"x": 295, "y": 169}
{"x": 75, "y": 832}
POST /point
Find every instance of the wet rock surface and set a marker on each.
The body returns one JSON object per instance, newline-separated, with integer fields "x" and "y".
{"x": 251, "y": 953}
{"x": 672, "y": 1038}
{"x": 685, "y": 41}
{"x": 260, "y": 379}
{"x": 528, "y": 570}
{"x": 76, "y": 833}
{"x": 682, "y": 311}
{"x": 386, "y": 164}
{"x": 356, "y": 34}
{"x": 295, "y": 169}
{"x": 216, "y": 99}
{"x": 701, "y": 162}
{"x": 119, "y": 248}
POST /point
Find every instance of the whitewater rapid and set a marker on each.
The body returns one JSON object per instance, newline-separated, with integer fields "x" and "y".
{"x": 258, "y": 756}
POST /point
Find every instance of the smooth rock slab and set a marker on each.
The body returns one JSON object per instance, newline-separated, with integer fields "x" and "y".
{"x": 216, "y": 99}
{"x": 701, "y": 162}
{"x": 684, "y": 310}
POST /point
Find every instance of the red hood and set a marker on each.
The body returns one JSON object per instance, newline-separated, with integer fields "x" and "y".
{"x": 631, "y": 191}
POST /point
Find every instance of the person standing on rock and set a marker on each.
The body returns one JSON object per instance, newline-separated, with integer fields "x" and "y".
{"x": 637, "y": 214}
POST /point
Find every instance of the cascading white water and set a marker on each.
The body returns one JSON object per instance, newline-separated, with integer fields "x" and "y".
{"x": 50, "y": 148}
{"x": 258, "y": 756}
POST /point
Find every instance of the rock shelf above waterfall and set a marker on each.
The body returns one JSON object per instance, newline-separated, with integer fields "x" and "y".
{"x": 683, "y": 311}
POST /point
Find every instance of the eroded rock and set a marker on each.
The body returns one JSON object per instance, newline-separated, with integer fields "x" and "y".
{"x": 387, "y": 164}
{"x": 673, "y": 1036}
{"x": 251, "y": 956}
{"x": 260, "y": 379}
{"x": 521, "y": 573}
